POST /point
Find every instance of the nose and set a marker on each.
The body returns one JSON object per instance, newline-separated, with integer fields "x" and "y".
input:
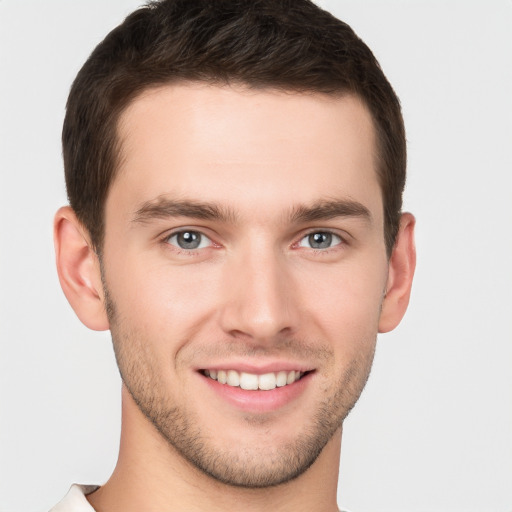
{"x": 260, "y": 303}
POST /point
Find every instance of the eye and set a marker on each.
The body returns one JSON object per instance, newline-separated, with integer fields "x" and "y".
{"x": 189, "y": 240}
{"x": 320, "y": 240}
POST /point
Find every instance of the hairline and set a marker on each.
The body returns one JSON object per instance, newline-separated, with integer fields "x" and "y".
{"x": 118, "y": 156}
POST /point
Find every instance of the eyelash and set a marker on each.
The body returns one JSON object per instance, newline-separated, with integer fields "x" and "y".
{"x": 326, "y": 250}
{"x": 193, "y": 252}
{"x": 188, "y": 252}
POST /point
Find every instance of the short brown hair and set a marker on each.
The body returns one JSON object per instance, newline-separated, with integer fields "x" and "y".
{"x": 291, "y": 45}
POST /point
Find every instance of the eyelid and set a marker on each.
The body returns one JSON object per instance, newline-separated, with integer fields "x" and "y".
{"x": 343, "y": 238}
{"x": 167, "y": 235}
{"x": 203, "y": 239}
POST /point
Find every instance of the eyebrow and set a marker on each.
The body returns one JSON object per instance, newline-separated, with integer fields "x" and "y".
{"x": 163, "y": 208}
{"x": 330, "y": 209}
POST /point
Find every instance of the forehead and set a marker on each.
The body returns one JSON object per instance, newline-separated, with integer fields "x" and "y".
{"x": 245, "y": 147}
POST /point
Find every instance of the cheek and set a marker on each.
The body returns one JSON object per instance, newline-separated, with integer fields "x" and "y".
{"x": 345, "y": 312}
{"x": 161, "y": 298}
{"x": 348, "y": 295}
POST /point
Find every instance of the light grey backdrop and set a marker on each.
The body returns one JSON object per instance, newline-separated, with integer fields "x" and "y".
{"x": 433, "y": 430}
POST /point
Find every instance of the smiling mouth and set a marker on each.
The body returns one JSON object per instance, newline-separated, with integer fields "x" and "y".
{"x": 253, "y": 382}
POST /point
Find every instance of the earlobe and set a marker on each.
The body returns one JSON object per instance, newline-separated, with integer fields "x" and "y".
{"x": 400, "y": 274}
{"x": 79, "y": 270}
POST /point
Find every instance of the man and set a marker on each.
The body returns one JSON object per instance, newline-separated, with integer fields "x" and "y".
{"x": 235, "y": 171}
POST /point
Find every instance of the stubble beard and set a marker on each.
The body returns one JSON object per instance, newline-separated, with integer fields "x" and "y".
{"x": 241, "y": 466}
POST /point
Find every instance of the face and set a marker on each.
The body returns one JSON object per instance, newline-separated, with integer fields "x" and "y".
{"x": 244, "y": 268}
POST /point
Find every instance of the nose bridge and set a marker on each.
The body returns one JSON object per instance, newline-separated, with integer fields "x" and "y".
{"x": 259, "y": 301}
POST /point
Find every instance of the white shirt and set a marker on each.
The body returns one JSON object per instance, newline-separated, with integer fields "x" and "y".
{"x": 75, "y": 500}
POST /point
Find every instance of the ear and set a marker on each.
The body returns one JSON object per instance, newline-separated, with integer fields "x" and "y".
{"x": 400, "y": 273}
{"x": 78, "y": 268}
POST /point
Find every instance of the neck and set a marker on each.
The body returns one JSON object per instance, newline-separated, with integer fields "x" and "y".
{"x": 151, "y": 476}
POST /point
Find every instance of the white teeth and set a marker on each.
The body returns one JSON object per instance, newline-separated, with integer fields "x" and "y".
{"x": 267, "y": 381}
{"x": 233, "y": 378}
{"x": 251, "y": 381}
{"x": 281, "y": 379}
{"x": 248, "y": 381}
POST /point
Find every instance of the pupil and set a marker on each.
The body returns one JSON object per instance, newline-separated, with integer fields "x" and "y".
{"x": 320, "y": 240}
{"x": 189, "y": 240}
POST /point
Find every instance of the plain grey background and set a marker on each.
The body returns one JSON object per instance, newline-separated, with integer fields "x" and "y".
{"x": 433, "y": 429}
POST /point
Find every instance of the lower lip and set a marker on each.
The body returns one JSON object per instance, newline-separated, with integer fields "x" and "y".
{"x": 259, "y": 401}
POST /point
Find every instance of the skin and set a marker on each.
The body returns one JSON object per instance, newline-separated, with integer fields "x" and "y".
{"x": 273, "y": 168}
